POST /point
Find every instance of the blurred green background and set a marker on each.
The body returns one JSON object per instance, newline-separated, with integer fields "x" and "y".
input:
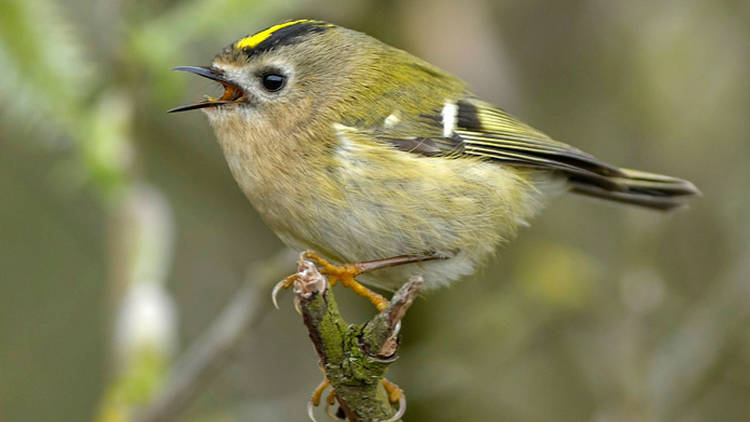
{"x": 596, "y": 313}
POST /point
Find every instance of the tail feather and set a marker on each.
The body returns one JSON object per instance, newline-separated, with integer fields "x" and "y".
{"x": 637, "y": 187}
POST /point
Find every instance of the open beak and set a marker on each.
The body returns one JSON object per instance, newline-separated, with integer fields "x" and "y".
{"x": 232, "y": 92}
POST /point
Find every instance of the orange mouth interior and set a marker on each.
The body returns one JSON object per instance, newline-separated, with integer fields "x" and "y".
{"x": 231, "y": 93}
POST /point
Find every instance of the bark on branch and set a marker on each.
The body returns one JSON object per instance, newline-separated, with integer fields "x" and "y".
{"x": 354, "y": 356}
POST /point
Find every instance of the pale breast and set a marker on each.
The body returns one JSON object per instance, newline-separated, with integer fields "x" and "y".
{"x": 389, "y": 202}
{"x": 363, "y": 201}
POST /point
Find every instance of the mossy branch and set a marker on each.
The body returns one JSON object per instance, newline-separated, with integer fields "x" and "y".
{"x": 354, "y": 356}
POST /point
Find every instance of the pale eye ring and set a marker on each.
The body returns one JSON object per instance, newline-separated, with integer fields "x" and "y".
{"x": 273, "y": 82}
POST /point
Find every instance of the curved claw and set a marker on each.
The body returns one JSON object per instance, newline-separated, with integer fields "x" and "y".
{"x": 401, "y": 409}
{"x": 315, "y": 398}
{"x": 283, "y": 284}
{"x": 310, "y": 413}
{"x": 330, "y": 401}
{"x": 275, "y": 292}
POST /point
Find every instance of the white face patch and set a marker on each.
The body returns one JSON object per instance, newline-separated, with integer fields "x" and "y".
{"x": 450, "y": 118}
{"x": 234, "y": 73}
{"x": 391, "y": 120}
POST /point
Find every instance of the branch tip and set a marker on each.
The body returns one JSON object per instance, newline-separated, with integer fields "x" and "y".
{"x": 309, "y": 280}
{"x": 336, "y": 341}
{"x": 380, "y": 336}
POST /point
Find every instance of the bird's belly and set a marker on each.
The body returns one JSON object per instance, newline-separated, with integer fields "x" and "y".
{"x": 380, "y": 203}
{"x": 374, "y": 207}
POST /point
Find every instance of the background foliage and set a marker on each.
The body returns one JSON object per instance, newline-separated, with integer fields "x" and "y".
{"x": 112, "y": 210}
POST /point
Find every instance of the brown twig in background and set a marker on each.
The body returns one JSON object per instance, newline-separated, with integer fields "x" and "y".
{"x": 209, "y": 353}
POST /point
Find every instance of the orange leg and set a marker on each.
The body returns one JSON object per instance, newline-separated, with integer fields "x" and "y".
{"x": 394, "y": 391}
{"x": 331, "y": 399}
{"x": 346, "y": 274}
{"x": 316, "y": 396}
{"x": 395, "y": 395}
{"x": 318, "y": 393}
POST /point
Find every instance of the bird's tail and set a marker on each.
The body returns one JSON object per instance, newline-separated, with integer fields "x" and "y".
{"x": 637, "y": 187}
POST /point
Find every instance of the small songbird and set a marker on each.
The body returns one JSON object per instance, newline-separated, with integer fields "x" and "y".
{"x": 363, "y": 152}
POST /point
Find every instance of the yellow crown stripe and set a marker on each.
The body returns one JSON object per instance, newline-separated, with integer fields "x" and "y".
{"x": 253, "y": 40}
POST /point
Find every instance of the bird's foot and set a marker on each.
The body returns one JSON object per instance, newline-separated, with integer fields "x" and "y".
{"x": 395, "y": 395}
{"x": 346, "y": 274}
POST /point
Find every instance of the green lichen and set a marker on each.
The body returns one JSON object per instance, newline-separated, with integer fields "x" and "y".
{"x": 354, "y": 376}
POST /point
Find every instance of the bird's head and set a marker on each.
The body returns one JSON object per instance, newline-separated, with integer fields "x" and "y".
{"x": 283, "y": 76}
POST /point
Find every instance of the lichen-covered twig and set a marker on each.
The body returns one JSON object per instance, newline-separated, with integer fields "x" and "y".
{"x": 354, "y": 357}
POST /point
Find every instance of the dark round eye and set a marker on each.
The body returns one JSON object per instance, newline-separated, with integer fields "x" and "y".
{"x": 273, "y": 82}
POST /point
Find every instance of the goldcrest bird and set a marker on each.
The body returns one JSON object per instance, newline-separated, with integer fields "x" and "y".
{"x": 361, "y": 151}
